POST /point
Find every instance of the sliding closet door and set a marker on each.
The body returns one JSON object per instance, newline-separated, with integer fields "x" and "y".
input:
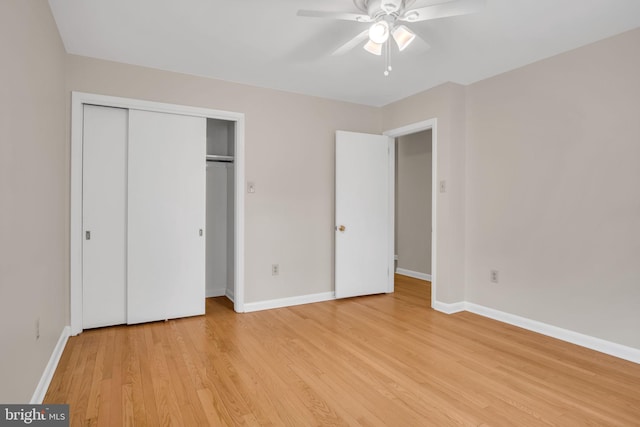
{"x": 104, "y": 216}
{"x": 166, "y": 216}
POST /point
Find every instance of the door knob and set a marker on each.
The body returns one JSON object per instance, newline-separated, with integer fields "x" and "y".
{"x": 342, "y": 228}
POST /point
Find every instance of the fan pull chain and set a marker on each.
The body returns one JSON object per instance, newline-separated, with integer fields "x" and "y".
{"x": 387, "y": 59}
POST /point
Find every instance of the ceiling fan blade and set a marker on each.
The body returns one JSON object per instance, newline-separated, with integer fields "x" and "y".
{"x": 443, "y": 10}
{"x": 344, "y": 16}
{"x": 351, "y": 43}
{"x": 419, "y": 45}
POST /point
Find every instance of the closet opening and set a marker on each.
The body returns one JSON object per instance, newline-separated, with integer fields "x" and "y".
{"x": 176, "y": 174}
{"x": 220, "y": 209}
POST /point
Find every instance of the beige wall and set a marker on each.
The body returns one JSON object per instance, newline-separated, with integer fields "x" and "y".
{"x": 413, "y": 202}
{"x": 446, "y": 103}
{"x": 289, "y": 143}
{"x": 553, "y": 190}
{"x": 542, "y": 174}
{"x": 34, "y": 185}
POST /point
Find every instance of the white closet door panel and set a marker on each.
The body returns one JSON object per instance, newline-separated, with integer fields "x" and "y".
{"x": 166, "y": 211}
{"x": 104, "y": 216}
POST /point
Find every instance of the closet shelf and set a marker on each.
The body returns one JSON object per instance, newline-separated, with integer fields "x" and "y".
{"x": 218, "y": 158}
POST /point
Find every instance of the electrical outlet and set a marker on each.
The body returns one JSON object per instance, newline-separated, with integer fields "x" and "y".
{"x": 275, "y": 269}
{"x": 38, "y": 328}
{"x": 494, "y": 276}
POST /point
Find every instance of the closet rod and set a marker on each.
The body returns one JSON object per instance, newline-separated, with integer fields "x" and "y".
{"x": 217, "y": 158}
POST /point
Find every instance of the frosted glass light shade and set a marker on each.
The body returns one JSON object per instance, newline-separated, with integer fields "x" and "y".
{"x": 373, "y": 47}
{"x": 379, "y": 32}
{"x": 403, "y": 37}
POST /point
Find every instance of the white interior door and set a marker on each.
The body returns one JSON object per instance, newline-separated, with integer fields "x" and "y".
{"x": 362, "y": 214}
{"x": 166, "y": 214}
{"x": 104, "y": 216}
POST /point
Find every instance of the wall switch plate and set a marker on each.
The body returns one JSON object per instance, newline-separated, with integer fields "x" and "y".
{"x": 251, "y": 187}
{"x": 443, "y": 186}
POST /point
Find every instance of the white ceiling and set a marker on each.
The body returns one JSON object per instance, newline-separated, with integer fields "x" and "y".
{"x": 263, "y": 42}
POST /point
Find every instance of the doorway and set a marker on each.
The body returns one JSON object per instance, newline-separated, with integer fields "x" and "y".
{"x": 427, "y": 125}
{"x": 413, "y": 164}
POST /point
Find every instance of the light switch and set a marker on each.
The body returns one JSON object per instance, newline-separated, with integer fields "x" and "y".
{"x": 251, "y": 187}
{"x": 443, "y": 186}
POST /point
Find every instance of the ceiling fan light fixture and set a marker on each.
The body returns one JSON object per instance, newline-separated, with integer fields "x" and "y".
{"x": 403, "y": 37}
{"x": 373, "y": 47}
{"x": 379, "y": 32}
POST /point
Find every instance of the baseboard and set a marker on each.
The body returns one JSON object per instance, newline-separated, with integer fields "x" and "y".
{"x": 414, "y": 274}
{"x": 50, "y": 369}
{"x": 216, "y": 292}
{"x": 448, "y": 308}
{"x": 288, "y": 302}
{"x": 220, "y": 292}
{"x": 229, "y": 294}
{"x": 613, "y": 349}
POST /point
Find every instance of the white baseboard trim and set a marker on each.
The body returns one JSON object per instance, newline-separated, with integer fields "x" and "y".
{"x": 220, "y": 292}
{"x": 448, "y": 308}
{"x": 216, "y": 292}
{"x": 288, "y": 302}
{"x": 414, "y": 274}
{"x": 50, "y": 369}
{"x": 613, "y": 349}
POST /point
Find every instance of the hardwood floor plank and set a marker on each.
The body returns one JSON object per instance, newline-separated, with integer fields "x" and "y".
{"x": 82, "y": 379}
{"x": 95, "y": 398}
{"x": 142, "y": 403}
{"x": 116, "y": 392}
{"x": 370, "y": 361}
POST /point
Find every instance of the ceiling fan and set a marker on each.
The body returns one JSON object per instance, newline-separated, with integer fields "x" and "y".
{"x": 387, "y": 17}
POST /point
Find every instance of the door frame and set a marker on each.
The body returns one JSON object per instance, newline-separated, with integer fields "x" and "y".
{"x": 78, "y": 100}
{"x": 395, "y": 133}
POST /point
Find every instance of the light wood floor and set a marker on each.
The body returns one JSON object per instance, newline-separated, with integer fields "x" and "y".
{"x": 384, "y": 360}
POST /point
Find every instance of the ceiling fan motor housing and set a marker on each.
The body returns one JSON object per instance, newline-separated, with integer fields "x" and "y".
{"x": 391, "y": 6}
